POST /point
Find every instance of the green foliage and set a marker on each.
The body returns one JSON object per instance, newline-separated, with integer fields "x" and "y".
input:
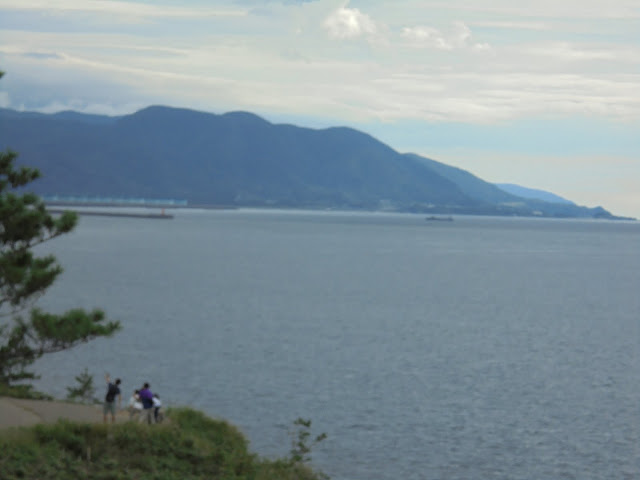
{"x": 285, "y": 470}
{"x": 302, "y": 443}
{"x": 84, "y": 391}
{"x": 189, "y": 446}
{"x": 24, "y": 277}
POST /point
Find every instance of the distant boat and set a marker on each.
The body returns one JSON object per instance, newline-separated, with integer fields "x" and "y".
{"x": 439, "y": 219}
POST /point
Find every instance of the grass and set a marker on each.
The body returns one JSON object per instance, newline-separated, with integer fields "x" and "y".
{"x": 189, "y": 445}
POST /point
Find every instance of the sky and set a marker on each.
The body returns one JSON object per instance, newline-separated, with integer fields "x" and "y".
{"x": 544, "y": 95}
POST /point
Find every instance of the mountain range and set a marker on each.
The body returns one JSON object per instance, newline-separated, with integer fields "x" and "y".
{"x": 240, "y": 159}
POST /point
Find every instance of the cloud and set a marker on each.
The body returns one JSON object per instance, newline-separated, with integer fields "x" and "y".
{"x": 565, "y": 51}
{"x": 541, "y": 9}
{"x": 283, "y": 63}
{"x": 284, "y": 2}
{"x": 461, "y": 34}
{"x": 294, "y": 55}
{"x": 42, "y": 55}
{"x": 513, "y": 25}
{"x": 125, "y": 10}
{"x": 426, "y": 37}
{"x": 91, "y": 108}
{"x": 458, "y": 36}
{"x": 346, "y": 23}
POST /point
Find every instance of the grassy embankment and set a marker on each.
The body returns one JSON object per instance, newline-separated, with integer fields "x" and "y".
{"x": 189, "y": 445}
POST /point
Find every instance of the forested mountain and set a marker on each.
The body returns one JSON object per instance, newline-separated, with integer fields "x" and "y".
{"x": 240, "y": 159}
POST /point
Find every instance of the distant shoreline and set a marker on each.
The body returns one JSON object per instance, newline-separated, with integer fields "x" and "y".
{"x": 164, "y": 216}
{"x": 60, "y": 206}
{"x": 136, "y": 205}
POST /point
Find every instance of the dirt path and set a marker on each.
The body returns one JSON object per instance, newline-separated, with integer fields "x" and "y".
{"x": 18, "y": 412}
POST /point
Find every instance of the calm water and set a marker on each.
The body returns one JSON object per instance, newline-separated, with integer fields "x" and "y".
{"x": 479, "y": 348}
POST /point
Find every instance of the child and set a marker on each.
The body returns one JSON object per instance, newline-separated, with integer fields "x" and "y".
{"x": 135, "y": 406}
{"x": 156, "y": 408}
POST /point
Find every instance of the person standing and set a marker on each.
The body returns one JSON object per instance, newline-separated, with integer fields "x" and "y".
{"x": 146, "y": 397}
{"x": 113, "y": 391}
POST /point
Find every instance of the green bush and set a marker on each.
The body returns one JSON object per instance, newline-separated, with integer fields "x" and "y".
{"x": 189, "y": 445}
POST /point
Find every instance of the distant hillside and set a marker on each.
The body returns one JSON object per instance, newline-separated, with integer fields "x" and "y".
{"x": 473, "y": 186}
{"x": 240, "y": 159}
{"x": 532, "y": 193}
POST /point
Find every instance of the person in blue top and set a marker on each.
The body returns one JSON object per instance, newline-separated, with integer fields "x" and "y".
{"x": 146, "y": 397}
{"x": 113, "y": 391}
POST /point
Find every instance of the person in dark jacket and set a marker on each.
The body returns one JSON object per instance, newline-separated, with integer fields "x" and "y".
{"x": 113, "y": 391}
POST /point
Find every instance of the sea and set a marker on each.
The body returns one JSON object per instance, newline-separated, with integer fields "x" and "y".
{"x": 478, "y": 348}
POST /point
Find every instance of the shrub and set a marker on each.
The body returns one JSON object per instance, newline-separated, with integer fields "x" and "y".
{"x": 188, "y": 446}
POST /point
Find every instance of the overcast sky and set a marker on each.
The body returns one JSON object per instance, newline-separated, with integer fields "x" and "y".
{"x": 545, "y": 95}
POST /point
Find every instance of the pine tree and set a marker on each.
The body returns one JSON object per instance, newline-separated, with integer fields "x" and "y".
{"x": 24, "y": 277}
{"x": 84, "y": 391}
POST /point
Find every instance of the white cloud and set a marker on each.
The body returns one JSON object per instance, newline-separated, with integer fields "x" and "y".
{"x": 124, "y": 9}
{"x": 481, "y": 47}
{"x": 461, "y": 34}
{"x": 566, "y": 51}
{"x": 427, "y": 37}
{"x": 541, "y": 9}
{"x": 512, "y": 25}
{"x": 81, "y": 106}
{"x": 458, "y": 36}
{"x": 345, "y": 23}
{"x": 430, "y": 71}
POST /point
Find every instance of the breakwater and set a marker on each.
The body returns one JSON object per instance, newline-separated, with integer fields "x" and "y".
{"x": 161, "y": 215}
